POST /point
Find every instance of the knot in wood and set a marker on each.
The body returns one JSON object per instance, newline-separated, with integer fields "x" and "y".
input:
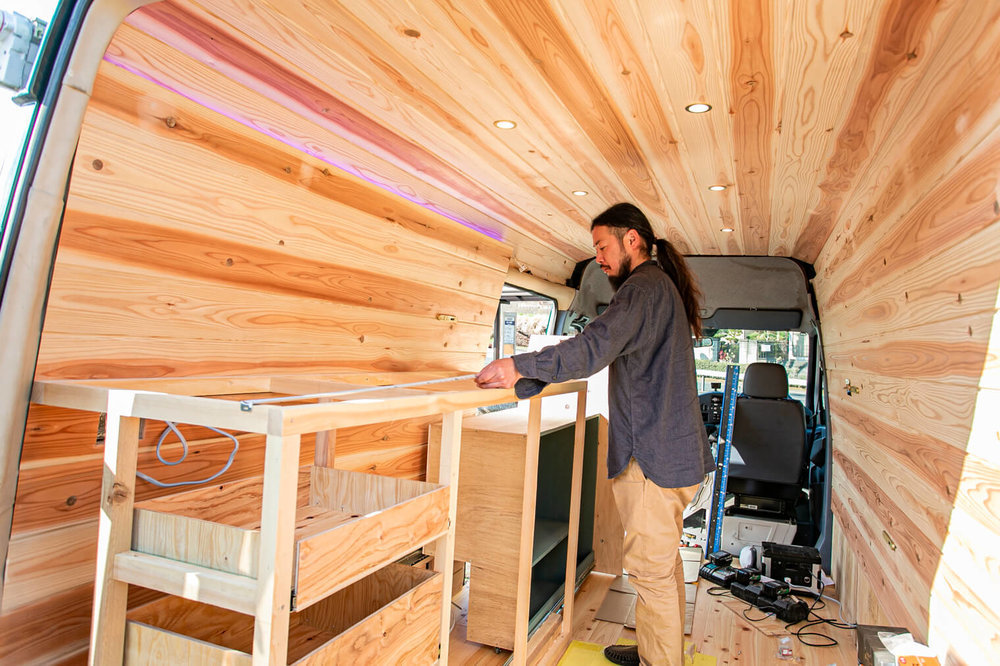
{"x": 119, "y": 493}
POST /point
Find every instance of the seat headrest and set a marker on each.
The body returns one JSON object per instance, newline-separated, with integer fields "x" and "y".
{"x": 765, "y": 380}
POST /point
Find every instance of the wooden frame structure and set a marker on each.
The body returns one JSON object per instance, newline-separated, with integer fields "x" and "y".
{"x": 274, "y": 585}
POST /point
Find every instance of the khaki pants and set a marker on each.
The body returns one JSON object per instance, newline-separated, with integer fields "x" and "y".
{"x": 653, "y": 520}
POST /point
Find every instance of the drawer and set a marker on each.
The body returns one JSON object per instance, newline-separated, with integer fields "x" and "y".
{"x": 392, "y": 616}
{"x": 347, "y": 524}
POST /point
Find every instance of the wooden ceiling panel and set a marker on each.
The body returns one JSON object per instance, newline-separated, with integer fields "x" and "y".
{"x": 818, "y": 107}
{"x": 821, "y": 46}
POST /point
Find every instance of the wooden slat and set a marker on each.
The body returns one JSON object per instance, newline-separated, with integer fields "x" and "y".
{"x": 310, "y": 418}
{"x": 940, "y": 410}
{"x": 133, "y": 302}
{"x": 447, "y": 473}
{"x": 952, "y": 351}
{"x": 952, "y": 110}
{"x": 576, "y": 492}
{"x": 462, "y": 159}
{"x": 606, "y": 38}
{"x": 64, "y": 621}
{"x": 145, "y": 645}
{"x": 258, "y": 203}
{"x": 960, "y": 604}
{"x": 691, "y": 52}
{"x": 952, "y": 284}
{"x": 107, "y": 631}
{"x": 608, "y": 530}
{"x": 522, "y": 612}
{"x": 961, "y": 207}
{"x": 189, "y": 581}
{"x": 913, "y": 550}
{"x": 886, "y": 84}
{"x": 751, "y": 81}
{"x": 821, "y": 49}
{"x": 63, "y": 356}
{"x": 44, "y": 564}
{"x": 207, "y": 39}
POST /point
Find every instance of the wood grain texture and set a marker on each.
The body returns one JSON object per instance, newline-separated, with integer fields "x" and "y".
{"x": 752, "y": 108}
{"x": 887, "y": 82}
{"x": 343, "y": 629}
{"x": 275, "y": 135}
{"x": 819, "y": 52}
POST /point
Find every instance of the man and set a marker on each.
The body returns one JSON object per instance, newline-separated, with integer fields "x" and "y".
{"x": 658, "y": 453}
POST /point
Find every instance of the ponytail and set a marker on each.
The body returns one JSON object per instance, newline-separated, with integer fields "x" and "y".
{"x": 624, "y": 216}
{"x": 673, "y": 264}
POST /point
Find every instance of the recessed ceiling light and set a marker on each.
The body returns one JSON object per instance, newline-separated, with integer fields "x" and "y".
{"x": 699, "y": 107}
{"x": 504, "y": 124}
{"x": 726, "y": 230}
{"x": 580, "y": 193}
{"x": 716, "y": 188}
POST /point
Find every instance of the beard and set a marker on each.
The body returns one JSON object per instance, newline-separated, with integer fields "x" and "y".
{"x": 624, "y": 270}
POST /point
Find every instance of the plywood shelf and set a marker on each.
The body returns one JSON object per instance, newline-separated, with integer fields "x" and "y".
{"x": 290, "y": 554}
{"x": 548, "y": 535}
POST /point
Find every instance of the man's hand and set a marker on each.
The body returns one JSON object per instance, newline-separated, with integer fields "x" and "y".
{"x": 498, "y": 374}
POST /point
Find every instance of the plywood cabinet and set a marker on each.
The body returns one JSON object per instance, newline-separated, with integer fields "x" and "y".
{"x": 295, "y": 566}
{"x": 516, "y": 496}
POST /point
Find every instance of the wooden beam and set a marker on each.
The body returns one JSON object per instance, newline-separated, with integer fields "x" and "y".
{"x": 522, "y": 607}
{"x": 576, "y": 492}
{"x": 272, "y": 602}
{"x": 201, "y": 584}
{"x": 107, "y": 638}
{"x": 444, "y": 548}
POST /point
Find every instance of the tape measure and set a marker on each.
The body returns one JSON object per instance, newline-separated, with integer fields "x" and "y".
{"x": 714, "y": 541}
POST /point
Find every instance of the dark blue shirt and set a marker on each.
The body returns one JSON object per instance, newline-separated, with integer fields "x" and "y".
{"x": 654, "y": 415}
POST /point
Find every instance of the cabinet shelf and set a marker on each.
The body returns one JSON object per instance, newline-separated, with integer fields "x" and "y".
{"x": 548, "y": 535}
{"x": 322, "y": 538}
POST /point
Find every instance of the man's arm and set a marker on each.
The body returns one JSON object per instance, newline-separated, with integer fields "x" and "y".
{"x": 608, "y": 336}
{"x": 498, "y": 374}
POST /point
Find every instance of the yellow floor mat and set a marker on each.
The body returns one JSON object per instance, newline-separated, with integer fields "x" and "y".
{"x": 580, "y": 653}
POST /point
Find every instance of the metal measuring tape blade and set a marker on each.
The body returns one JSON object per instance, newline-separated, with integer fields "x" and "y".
{"x": 714, "y": 541}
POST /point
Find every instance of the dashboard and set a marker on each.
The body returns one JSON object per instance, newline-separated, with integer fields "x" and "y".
{"x": 711, "y": 410}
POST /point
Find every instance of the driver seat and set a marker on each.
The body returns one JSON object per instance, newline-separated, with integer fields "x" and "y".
{"x": 768, "y": 456}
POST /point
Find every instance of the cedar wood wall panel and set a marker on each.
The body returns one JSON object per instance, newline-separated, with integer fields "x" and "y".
{"x": 907, "y": 288}
{"x": 194, "y": 245}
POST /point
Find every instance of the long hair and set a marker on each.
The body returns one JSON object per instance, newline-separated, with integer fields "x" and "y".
{"x": 624, "y": 216}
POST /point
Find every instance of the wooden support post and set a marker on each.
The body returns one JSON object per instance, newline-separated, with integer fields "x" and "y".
{"x": 277, "y": 536}
{"x": 576, "y": 492}
{"x": 326, "y": 445}
{"x": 121, "y": 449}
{"x": 522, "y": 610}
{"x": 444, "y": 547}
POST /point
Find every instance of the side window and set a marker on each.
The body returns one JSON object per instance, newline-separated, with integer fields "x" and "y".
{"x": 522, "y": 315}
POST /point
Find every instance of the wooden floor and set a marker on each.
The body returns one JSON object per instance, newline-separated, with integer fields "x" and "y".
{"x": 719, "y": 631}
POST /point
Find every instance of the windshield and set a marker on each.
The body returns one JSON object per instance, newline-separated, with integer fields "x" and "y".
{"x": 724, "y": 347}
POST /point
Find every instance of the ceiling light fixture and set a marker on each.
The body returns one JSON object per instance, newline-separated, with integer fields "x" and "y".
{"x": 726, "y": 230}
{"x": 716, "y": 188}
{"x": 699, "y": 107}
{"x": 580, "y": 193}
{"x": 504, "y": 124}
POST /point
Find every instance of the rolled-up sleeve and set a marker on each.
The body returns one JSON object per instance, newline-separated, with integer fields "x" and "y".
{"x": 615, "y": 332}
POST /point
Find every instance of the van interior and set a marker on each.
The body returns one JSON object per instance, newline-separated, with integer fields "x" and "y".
{"x": 255, "y": 250}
